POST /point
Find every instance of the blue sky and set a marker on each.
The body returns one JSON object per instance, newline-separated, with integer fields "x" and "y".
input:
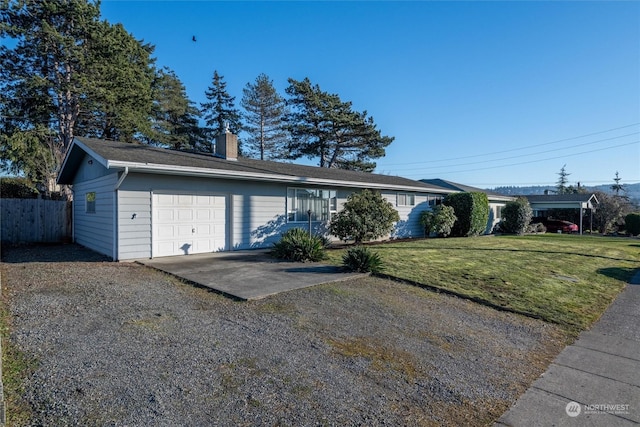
{"x": 482, "y": 93}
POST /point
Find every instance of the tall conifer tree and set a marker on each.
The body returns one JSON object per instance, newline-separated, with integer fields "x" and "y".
{"x": 219, "y": 111}
{"x": 42, "y": 81}
{"x": 563, "y": 180}
{"x": 324, "y": 127}
{"x": 67, "y": 74}
{"x": 263, "y": 120}
{"x": 174, "y": 120}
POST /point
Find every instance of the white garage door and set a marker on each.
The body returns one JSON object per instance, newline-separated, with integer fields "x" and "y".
{"x": 188, "y": 224}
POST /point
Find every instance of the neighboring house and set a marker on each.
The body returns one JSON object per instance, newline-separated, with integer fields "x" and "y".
{"x": 540, "y": 204}
{"x": 136, "y": 201}
{"x": 496, "y": 201}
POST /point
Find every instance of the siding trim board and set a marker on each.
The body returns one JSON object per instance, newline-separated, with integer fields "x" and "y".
{"x": 116, "y": 202}
{"x": 152, "y": 253}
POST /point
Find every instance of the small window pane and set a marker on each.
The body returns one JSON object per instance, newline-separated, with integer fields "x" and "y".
{"x": 405, "y": 199}
{"x": 90, "y": 200}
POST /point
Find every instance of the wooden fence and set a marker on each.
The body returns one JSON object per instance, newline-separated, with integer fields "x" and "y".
{"x": 35, "y": 220}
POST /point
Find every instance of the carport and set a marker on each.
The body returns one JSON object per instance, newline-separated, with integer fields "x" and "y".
{"x": 247, "y": 275}
{"x": 540, "y": 204}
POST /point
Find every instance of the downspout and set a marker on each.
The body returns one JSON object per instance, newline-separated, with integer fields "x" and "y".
{"x": 122, "y": 177}
{"x": 115, "y": 212}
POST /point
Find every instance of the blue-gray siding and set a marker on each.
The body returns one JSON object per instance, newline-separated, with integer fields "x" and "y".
{"x": 257, "y": 211}
{"x": 95, "y": 230}
{"x": 122, "y": 226}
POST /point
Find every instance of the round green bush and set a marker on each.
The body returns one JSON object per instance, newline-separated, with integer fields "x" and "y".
{"x": 516, "y": 216}
{"x": 365, "y": 216}
{"x": 632, "y": 223}
{"x": 439, "y": 221}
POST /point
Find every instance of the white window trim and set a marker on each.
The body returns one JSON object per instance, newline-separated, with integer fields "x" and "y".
{"x": 412, "y": 196}
{"x": 292, "y": 202}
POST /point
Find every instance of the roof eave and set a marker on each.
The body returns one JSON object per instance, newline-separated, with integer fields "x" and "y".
{"x": 220, "y": 173}
{"x": 62, "y": 177}
{"x": 500, "y": 198}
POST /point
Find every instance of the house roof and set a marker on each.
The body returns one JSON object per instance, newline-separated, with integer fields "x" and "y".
{"x": 465, "y": 188}
{"x": 561, "y": 198}
{"x": 147, "y": 159}
{"x": 566, "y": 201}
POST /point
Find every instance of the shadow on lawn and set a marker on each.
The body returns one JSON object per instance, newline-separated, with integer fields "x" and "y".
{"x": 506, "y": 250}
{"x": 619, "y": 273}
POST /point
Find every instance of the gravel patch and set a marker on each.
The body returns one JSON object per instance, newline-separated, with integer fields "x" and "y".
{"x": 121, "y": 344}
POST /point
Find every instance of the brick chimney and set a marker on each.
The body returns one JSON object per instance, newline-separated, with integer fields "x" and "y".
{"x": 227, "y": 146}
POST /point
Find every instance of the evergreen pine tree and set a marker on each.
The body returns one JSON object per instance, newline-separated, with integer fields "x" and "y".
{"x": 67, "y": 73}
{"x": 175, "y": 118}
{"x": 563, "y": 180}
{"x": 263, "y": 120}
{"x": 323, "y": 126}
{"x": 41, "y": 82}
{"x": 617, "y": 187}
{"x": 120, "y": 74}
{"x": 219, "y": 110}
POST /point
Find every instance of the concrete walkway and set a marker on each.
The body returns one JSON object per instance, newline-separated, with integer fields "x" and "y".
{"x": 247, "y": 275}
{"x": 595, "y": 381}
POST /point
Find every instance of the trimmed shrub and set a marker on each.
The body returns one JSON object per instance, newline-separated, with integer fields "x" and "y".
{"x": 360, "y": 258}
{"x": 439, "y": 221}
{"x": 297, "y": 245}
{"x": 516, "y": 216}
{"x": 17, "y": 188}
{"x": 632, "y": 223}
{"x": 365, "y": 216}
{"x": 472, "y": 212}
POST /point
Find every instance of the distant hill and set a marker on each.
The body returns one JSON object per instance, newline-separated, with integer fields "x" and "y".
{"x": 631, "y": 190}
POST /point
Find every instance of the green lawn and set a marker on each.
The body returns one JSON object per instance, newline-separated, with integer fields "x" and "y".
{"x": 568, "y": 280}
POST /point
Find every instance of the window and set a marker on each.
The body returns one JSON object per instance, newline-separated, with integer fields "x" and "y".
{"x": 435, "y": 201}
{"x": 498, "y": 212}
{"x": 321, "y": 203}
{"x": 90, "y": 202}
{"x": 405, "y": 199}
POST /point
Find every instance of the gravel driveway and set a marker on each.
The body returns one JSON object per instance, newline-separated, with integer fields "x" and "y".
{"x": 121, "y": 344}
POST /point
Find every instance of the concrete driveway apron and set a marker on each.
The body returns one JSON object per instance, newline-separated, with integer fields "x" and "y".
{"x": 247, "y": 275}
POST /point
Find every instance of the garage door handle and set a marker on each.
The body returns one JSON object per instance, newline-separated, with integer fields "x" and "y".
{"x": 193, "y": 230}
